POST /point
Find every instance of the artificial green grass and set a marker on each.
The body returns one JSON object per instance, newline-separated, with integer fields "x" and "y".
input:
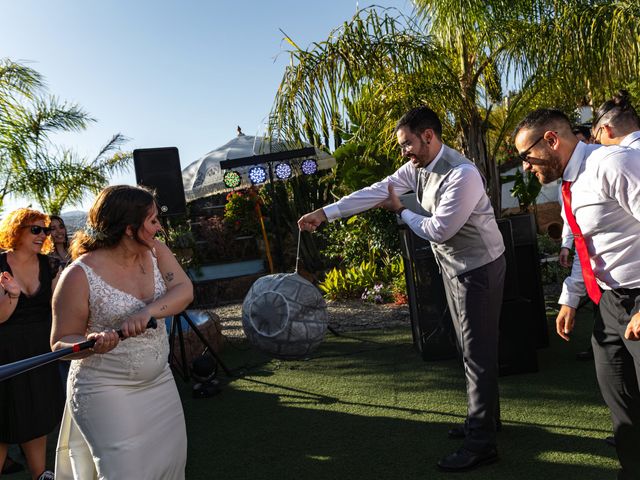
{"x": 363, "y": 410}
{"x": 369, "y": 408}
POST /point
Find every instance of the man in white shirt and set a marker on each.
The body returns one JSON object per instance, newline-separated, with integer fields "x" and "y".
{"x": 617, "y": 123}
{"x": 457, "y": 218}
{"x": 603, "y": 200}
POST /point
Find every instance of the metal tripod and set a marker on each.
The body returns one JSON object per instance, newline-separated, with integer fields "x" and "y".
{"x": 176, "y": 327}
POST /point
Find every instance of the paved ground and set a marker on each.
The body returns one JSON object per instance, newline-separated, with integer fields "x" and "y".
{"x": 344, "y": 315}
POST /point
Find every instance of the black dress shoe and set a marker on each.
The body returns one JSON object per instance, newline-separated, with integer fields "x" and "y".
{"x": 464, "y": 459}
{"x": 457, "y": 432}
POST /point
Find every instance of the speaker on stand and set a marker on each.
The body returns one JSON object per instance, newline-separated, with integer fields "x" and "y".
{"x": 159, "y": 169}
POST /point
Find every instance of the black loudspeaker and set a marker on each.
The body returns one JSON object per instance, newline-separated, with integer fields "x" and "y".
{"x": 431, "y": 325}
{"x": 432, "y": 329}
{"x": 527, "y": 259}
{"x": 159, "y": 169}
{"x": 517, "y": 343}
{"x": 511, "y": 289}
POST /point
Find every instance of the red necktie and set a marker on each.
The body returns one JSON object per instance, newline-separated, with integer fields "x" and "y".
{"x": 593, "y": 290}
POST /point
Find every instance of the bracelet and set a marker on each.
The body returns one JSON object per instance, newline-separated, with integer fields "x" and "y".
{"x": 399, "y": 211}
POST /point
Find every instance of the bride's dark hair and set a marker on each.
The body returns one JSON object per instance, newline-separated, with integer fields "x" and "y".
{"x": 116, "y": 208}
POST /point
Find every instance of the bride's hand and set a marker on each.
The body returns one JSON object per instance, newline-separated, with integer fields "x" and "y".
{"x": 105, "y": 341}
{"x": 135, "y": 324}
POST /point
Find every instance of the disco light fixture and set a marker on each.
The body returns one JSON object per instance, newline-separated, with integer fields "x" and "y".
{"x": 231, "y": 179}
{"x": 257, "y": 174}
{"x": 309, "y": 166}
{"x": 283, "y": 171}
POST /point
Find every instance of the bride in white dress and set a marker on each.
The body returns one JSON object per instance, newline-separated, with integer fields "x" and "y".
{"x": 123, "y": 418}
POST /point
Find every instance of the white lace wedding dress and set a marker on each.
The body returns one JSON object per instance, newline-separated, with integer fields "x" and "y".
{"x": 123, "y": 418}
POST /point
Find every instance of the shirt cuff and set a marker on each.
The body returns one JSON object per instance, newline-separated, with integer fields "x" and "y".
{"x": 567, "y": 242}
{"x": 332, "y": 212}
{"x": 569, "y": 299}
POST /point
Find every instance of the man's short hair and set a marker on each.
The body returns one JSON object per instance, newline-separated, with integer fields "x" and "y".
{"x": 542, "y": 119}
{"x": 582, "y": 130}
{"x": 617, "y": 112}
{"x": 419, "y": 119}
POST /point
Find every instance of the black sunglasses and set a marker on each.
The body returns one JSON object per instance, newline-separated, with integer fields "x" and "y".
{"x": 37, "y": 229}
{"x": 524, "y": 155}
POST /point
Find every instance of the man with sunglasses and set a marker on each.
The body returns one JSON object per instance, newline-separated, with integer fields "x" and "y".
{"x": 601, "y": 191}
{"x": 458, "y": 219}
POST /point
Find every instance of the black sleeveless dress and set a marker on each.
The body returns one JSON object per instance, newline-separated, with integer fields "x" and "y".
{"x": 31, "y": 403}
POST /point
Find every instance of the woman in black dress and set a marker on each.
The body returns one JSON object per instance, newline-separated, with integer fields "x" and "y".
{"x": 31, "y": 403}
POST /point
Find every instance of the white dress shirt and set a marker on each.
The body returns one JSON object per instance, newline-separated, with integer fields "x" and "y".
{"x": 605, "y": 194}
{"x": 460, "y": 193}
{"x": 632, "y": 140}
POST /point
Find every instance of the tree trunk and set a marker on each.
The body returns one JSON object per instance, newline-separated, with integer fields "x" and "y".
{"x": 474, "y": 147}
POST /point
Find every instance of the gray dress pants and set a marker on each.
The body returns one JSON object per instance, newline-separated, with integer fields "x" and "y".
{"x": 617, "y": 363}
{"x": 475, "y": 302}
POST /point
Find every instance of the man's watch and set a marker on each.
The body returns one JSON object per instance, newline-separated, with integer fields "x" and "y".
{"x": 399, "y": 211}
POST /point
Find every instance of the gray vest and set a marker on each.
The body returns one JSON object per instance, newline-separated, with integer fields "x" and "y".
{"x": 479, "y": 241}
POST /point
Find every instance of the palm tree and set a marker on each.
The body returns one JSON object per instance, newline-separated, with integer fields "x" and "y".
{"x": 30, "y": 165}
{"x": 62, "y": 178}
{"x": 456, "y": 57}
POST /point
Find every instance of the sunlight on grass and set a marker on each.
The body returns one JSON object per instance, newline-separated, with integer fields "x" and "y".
{"x": 319, "y": 458}
{"x": 576, "y": 458}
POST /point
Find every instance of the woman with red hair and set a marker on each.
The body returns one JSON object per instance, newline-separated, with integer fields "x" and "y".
{"x": 31, "y": 403}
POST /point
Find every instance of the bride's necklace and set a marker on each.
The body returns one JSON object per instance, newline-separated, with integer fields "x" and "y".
{"x": 138, "y": 261}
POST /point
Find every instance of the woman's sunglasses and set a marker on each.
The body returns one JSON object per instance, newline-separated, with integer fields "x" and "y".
{"x": 37, "y": 229}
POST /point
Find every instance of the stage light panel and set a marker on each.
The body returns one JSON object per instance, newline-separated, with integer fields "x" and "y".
{"x": 309, "y": 166}
{"x": 257, "y": 174}
{"x": 231, "y": 179}
{"x": 283, "y": 171}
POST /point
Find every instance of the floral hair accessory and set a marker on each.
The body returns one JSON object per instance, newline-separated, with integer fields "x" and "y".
{"x": 94, "y": 234}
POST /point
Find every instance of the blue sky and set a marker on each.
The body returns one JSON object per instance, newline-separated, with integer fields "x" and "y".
{"x": 166, "y": 73}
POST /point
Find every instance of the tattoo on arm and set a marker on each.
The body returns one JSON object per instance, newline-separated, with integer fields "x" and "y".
{"x": 168, "y": 276}
{"x": 163, "y": 308}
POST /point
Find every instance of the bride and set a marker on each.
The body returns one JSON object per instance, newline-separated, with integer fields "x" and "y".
{"x": 123, "y": 418}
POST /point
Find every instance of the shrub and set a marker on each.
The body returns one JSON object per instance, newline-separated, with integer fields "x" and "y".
{"x": 349, "y": 241}
{"x": 240, "y": 211}
{"x": 551, "y": 272}
{"x": 368, "y": 280}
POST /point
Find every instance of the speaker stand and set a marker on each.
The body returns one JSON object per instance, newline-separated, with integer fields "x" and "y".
{"x": 176, "y": 327}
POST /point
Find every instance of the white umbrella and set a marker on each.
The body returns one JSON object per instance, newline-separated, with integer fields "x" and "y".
{"x": 204, "y": 176}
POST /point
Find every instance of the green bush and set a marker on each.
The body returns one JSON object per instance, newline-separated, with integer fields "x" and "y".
{"x": 379, "y": 280}
{"x": 551, "y": 272}
{"x": 352, "y": 240}
{"x": 240, "y": 211}
{"x": 349, "y": 282}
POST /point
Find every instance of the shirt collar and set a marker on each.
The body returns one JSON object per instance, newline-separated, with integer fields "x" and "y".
{"x": 572, "y": 169}
{"x": 429, "y": 168}
{"x": 629, "y": 139}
